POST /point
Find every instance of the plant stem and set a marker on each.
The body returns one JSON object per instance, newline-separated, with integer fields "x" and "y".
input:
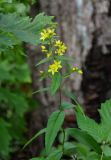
{"x": 101, "y": 156}
{"x": 73, "y": 157}
{"x": 63, "y": 131}
{"x": 60, "y": 97}
{"x": 60, "y": 94}
{"x": 60, "y": 101}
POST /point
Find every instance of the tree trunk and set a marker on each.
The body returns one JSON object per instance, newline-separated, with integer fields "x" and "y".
{"x": 96, "y": 84}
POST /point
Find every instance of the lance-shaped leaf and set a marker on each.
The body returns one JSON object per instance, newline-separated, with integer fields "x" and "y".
{"x": 34, "y": 137}
{"x": 43, "y": 61}
{"x": 67, "y": 105}
{"x": 74, "y": 98}
{"x": 56, "y": 82}
{"x": 41, "y": 90}
{"x": 55, "y": 155}
{"x": 64, "y": 58}
{"x": 54, "y": 124}
{"x": 40, "y": 158}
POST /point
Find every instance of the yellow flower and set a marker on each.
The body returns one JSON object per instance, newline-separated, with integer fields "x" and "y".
{"x": 51, "y": 32}
{"x": 47, "y": 34}
{"x": 41, "y": 72}
{"x": 54, "y": 67}
{"x": 58, "y": 43}
{"x": 80, "y": 71}
{"x": 75, "y": 68}
{"x": 49, "y": 54}
{"x": 58, "y": 51}
{"x": 58, "y": 64}
{"x": 44, "y": 35}
{"x": 44, "y": 49}
{"x": 61, "y": 47}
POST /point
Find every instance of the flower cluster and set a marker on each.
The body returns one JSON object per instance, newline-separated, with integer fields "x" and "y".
{"x": 49, "y": 53}
{"x": 44, "y": 49}
{"x": 53, "y": 47}
{"x": 53, "y": 68}
{"x": 53, "y": 50}
{"x": 60, "y": 47}
{"x": 47, "y": 34}
{"x": 76, "y": 69}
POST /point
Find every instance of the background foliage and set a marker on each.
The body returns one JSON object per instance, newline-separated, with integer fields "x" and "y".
{"x": 15, "y": 78}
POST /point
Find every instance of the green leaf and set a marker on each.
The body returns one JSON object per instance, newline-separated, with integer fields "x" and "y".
{"x": 22, "y": 73}
{"x": 5, "y": 71}
{"x": 15, "y": 100}
{"x": 5, "y": 138}
{"x": 105, "y": 112}
{"x": 106, "y": 158}
{"x": 74, "y": 98}
{"x": 88, "y": 125}
{"x": 24, "y": 28}
{"x": 56, "y": 82}
{"x": 19, "y": 103}
{"x": 106, "y": 150}
{"x": 93, "y": 156}
{"x": 64, "y": 58}
{"x": 69, "y": 148}
{"x": 37, "y": 158}
{"x": 54, "y": 124}
{"x": 5, "y": 75}
{"x": 82, "y": 151}
{"x": 67, "y": 105}
{"x": 7, "y": 40}
{"x": 84, "y": 138}
{"x": 41, "y": 90}
{"x": 55, "y": 155}
{"x": 43, "y": 61}
{"x": 17, "y": 128}
{"x": 105, "y": 127}
{"x": 100, "y": 132}
{"x": 5, "y": 1}
{"x": 34, "y": 137}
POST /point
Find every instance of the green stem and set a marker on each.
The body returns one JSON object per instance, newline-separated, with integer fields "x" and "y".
{"x": 63, "y": 131}
{"x": 73, "y": 157}
{"x": 60, "y": 101}
{"x": 60, "y": 98}
{"x": 60, "y": 94}
{"x": 101, "y": 156}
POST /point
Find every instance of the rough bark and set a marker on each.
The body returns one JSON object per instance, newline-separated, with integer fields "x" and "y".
{"x": 96, "y": 83}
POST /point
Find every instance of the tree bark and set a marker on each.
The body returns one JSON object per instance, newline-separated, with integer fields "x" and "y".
{"x": 96, "y": 84}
